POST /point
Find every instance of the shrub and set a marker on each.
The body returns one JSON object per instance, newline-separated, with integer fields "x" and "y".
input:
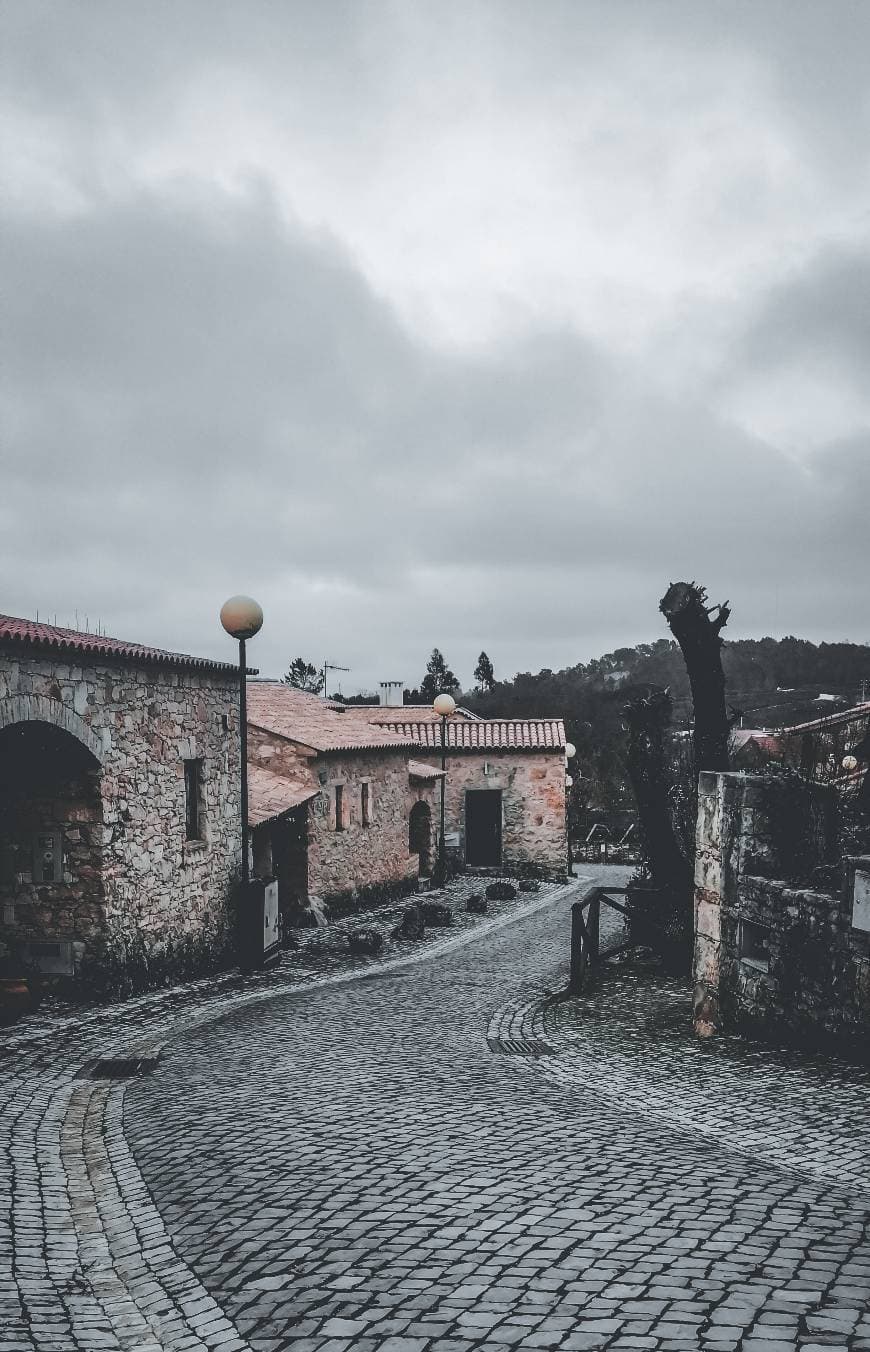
{"x": 501, "y": 891}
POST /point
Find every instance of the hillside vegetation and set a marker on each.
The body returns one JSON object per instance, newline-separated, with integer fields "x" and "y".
{"x": 771, "y": 681}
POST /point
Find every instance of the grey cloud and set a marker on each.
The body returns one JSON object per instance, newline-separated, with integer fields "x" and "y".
{"x": 206, "y": 398}
{"x": 819, "y": 313}
{"x": 203, "y": 395}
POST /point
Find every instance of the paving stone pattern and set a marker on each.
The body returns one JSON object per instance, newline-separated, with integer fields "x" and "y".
{"x": 85, "y": 1259}
{"x": 356, "y": 1168}
{"x": 426, "y": 1157}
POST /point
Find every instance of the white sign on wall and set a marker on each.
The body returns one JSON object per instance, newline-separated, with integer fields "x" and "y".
{"x": 270, "y": 915}
{"x": 861, "y": 901}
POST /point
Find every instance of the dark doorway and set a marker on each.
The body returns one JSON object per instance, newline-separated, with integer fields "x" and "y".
{"x": 290, "y": 862}
{"x": 420, "y": 836}
{"x": 51, "y": 841}
{"x": 483, "y": 828}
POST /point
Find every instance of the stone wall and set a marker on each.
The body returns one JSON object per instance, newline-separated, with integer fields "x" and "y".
{"x": 774, "y": 947}
{"x": 534, "y": 829}
{"x": 342, "y": 863}
{"x": 166, "y": 902}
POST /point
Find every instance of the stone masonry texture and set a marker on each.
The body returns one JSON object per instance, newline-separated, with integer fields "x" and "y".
{"x": 809, "y": 970}
{"x": 534, "y": 825}
{"x": 152, "y": 892}
{"x": 359, "y": 856}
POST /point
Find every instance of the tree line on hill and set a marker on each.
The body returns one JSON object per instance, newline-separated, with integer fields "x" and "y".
{"x": 771, "y": 680}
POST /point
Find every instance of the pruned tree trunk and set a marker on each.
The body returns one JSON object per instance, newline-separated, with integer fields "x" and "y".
{"x": 685, "y": 608}
{"x": 671, "y": 872}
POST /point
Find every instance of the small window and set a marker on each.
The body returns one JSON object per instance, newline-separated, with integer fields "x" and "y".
{"x": 366, "y": 804}
{"x": 754, "y": 945}
{"x": 193, "y": 799}
{"x": 339, "y": 807}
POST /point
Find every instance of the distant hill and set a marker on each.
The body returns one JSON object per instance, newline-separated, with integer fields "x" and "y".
{"x": 771, "y": 681}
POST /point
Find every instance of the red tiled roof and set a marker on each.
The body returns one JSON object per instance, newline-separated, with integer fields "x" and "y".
{"x": 420, "y": 770}
{"x": 491, "y": 734}
{"x": 311, "y": 721}
{"x": 271, "y": 795}
{"x": 406, "y": 713}
{"x": 30, "y": 634}
{"x": 830, "y": 720}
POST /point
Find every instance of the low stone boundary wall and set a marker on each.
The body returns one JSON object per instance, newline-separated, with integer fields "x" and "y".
{"x": 784, "y": 952}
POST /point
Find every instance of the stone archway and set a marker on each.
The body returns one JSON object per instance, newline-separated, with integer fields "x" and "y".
{"x": 420, "y": 836}
{"x": 51, "y": 834}
{"x": 41, "y": 709}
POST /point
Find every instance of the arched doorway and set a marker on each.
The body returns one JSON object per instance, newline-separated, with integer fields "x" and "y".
{"x": 420, "y": 836}
{"x": 51, "y": 844}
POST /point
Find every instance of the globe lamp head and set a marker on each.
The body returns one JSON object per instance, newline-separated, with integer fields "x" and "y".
{"x": 242, "y": 617}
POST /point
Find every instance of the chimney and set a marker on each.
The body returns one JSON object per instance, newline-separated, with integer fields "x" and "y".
{"x": 392, "y": 694}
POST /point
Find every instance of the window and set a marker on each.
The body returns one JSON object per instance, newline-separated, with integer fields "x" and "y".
{"x": 366, "y": 803}
{"x": 193, "y": 799}
{"x": 754, "y": 945}
{"x": 339, "y": 807}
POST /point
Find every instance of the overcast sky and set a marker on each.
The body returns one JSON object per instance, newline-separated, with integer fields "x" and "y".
{"x": 435, "y": 322}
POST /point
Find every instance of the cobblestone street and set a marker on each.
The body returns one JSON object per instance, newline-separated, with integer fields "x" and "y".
{"x": 436, "y": 1157}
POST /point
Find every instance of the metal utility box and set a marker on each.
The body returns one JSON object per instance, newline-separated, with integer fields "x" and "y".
{"x": 861, "y": 895}
{"x": 260, "y": 931}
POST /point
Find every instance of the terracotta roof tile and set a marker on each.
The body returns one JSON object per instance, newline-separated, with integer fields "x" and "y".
{"x": 311, "y": 721}
{"x": 420, "y": 770}
{"x": 271, "y": 795}
{"x": 30, "y": 633}
{"x": 830, "y": 720}
{"x": 491, "y": 734}
{"x": 406, "y": 713}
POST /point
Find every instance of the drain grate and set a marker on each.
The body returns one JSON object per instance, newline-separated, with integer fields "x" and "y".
{"x": 125, "y": 1067}
{"x": 526, "y": 1046}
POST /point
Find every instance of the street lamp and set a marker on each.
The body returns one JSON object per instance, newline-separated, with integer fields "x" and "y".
{"x": 570, "y": 753}
{"x": 444, "y": 705}
{"x": 849, "y": 763}
{"x": 242, "y": 618}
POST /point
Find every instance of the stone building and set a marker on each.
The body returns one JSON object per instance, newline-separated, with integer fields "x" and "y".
{"x": 505, "y": 801}
{"x": 347, "y": 797}
{"x": 782, "y": 930}
{"x": 120, "y": 831}
{"x": 339, "y": 808}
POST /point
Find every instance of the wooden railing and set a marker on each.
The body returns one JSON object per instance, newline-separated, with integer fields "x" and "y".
{"x": 586, "y": 948}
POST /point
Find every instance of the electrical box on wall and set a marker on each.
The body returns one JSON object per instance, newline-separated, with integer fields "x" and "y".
{"x": 861, "y": 898}
{"x": 47, "y": 857}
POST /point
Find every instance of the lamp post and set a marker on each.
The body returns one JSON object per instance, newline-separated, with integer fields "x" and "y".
{"x": 242, "y": 618}
{"x": 570, "y": 753}
{"x": 444, "y": 705}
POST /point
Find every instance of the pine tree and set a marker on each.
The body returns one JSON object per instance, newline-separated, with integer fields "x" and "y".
{"x": 303, "y": 675}
{"x": 483, "y": 673}
{"x": 438, "y": 679}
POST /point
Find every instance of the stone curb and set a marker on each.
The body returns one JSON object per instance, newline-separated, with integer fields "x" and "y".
{"x": 152, "y": 1002}
{"x": 292, "y": 988}
{"x": 142, "y": 1296}
{"x": 527, "y": 1023}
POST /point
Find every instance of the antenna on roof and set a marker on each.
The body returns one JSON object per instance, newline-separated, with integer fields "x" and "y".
{"x": 330, "y": 666}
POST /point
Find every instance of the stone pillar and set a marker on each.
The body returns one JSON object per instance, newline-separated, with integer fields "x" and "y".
{"x": 717, "y": 863}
